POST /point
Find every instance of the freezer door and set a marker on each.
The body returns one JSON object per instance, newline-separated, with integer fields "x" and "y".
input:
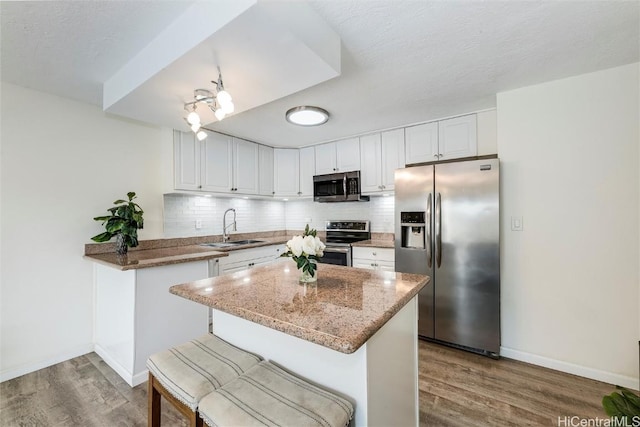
{"x": 414, "y": 193}
{"x": 467, "y": 251}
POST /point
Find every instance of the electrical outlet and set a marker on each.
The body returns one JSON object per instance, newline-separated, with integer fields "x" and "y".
{"x": 198, "y": 224}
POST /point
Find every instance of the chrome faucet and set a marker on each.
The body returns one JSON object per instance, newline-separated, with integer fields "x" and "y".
{"x": 225, "y": 236}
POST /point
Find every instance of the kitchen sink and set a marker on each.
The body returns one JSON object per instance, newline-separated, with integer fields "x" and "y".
{"x": 245, "y": 242}
{"x": 231, "y": 244}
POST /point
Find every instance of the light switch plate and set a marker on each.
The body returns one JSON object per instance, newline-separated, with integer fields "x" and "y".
{"x": 516, "y": 223}
{"x": 198, "y": 224}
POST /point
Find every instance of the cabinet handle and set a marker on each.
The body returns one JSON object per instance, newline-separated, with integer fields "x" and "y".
{"x": 299, "y": 193}
{"x": 273, "y": 192}
{"x": 384, "y": 186}
{"x": 199, "y": 186}
{"x": 435, "y": 155}
{"x": 439, "y": 155}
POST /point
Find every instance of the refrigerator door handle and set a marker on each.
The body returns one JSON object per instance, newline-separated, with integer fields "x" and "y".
{"x": 438, "y": 230}
{"x": 428, "y": 224}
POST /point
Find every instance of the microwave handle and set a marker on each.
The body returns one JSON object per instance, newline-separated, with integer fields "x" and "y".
{"x": 344, "y": 185}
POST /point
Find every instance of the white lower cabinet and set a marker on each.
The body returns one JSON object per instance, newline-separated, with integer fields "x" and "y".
{"x": 374, "y": 258}
{"x": 136, "y": 316}
{"x": 247, "y": 258}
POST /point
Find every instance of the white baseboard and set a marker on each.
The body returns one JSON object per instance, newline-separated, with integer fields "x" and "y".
{"x": 27, "y": 368}
{"x": 131, "y": 379}
{"x": 570, "y": 368}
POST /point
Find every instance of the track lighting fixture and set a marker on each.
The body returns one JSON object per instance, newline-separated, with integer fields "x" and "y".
{"x": 219, "y": 102}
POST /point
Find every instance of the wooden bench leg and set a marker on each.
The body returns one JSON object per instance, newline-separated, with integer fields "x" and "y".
{"x": 156, "y": 392}
{"x": 153, "y": 404}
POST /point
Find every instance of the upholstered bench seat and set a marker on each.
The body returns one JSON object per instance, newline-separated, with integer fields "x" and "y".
{"x": 267, "y": 395}
{"x": 190, "y": 371}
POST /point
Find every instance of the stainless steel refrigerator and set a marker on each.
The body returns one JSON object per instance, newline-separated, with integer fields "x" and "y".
{"x": 447, "y": 227}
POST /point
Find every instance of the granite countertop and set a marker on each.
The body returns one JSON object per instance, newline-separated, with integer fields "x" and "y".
{"x": 155, "y": 257}
{"x": 341, "y": 311}
{"x": 374, "y": 243}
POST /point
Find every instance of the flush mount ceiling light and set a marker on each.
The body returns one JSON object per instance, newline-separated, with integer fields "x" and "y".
{"x": 307, "y": 116}
{"x": 220, "y": 102}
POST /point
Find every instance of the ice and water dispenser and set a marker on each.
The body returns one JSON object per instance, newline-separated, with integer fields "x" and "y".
{"x": 413, "y": 229}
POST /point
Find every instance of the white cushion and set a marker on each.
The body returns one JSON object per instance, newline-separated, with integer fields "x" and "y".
{"x": 192, "y": 370}
{"x": 267, "y": 395}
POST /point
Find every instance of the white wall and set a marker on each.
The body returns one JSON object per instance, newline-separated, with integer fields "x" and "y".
{"x": 64, "y": 162}
{"x": 570, "y": 158}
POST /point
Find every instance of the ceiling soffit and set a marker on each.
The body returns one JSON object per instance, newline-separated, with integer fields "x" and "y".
{"x": 266, "y": 51}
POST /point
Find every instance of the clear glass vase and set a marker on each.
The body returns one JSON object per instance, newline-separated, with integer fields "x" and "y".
{"x": 306, "y": 277}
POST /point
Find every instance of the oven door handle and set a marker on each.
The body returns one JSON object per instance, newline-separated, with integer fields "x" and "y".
{"x": 338, "y": 250}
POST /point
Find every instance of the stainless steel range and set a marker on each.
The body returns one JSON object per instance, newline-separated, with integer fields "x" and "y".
{"x": 340, "y": 235}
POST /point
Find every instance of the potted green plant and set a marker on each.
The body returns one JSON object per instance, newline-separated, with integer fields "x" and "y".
{"x": 623, "y": 405}
{"x": 124, "y": 222}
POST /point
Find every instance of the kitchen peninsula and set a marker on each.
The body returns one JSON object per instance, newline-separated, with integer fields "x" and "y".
{"x": 352, "y": 332}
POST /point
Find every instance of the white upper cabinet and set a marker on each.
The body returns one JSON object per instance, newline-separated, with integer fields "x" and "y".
{"x": 348, "y": 155}
{"x": 325, "y": 158}
{"x": 245, "y": 167}
{"x": 186, "y": 154}
{"x": 265, "y": 166}
{"x": 392, "y": 144}
{"x": 487, "y": 132}
{"x": 447, "y": 139}
{"x": 339, "y": 156}
{"x": 286, "y": 166}
{"x": 307, "y": 171}
{"x": 457, "y": 137}
{"x": 421, "y": 143}
{"x": 380, "y": 155}
{"x": 370, "y": 163}
{"x": 216, "y": 163}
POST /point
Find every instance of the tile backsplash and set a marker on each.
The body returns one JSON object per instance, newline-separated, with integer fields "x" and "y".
{"x": 182, "y": 212}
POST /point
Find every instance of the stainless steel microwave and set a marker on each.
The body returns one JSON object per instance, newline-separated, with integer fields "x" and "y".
{"x": 338, "y": 187}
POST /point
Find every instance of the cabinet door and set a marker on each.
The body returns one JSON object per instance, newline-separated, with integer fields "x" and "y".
{"x": 265, "y": 167}
{"x": 421, "y": 143}
{"x": 245, "y": 166}
{"x": 458, "y": 137}
{"x": 385, "y": 266}
{"x": 325, "y": 158}
{"x": 216, "y": 163}
{"x": 362, "y": 263}
{"x": 186, "y": 159}
{"x": 233, "y": 268}
{"x": 348, "y": 155}
{"x": 286, "y": 167}
{"x": 307, "y": 171}
{"x": 370, "y": 161}
{"x": 392, "y": 156}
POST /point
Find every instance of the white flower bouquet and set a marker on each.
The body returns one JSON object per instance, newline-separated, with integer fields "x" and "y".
{"x": 305, "y": 251}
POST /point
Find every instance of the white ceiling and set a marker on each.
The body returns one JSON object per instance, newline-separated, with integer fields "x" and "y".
{"x": 403, "y": 61}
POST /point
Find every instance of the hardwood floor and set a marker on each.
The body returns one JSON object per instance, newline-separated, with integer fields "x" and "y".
{"x": 464, "y": 389}
{"x": 456, "y": 389}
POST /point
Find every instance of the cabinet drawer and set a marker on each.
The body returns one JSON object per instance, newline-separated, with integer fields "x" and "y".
{"x": 381, "y": 254}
